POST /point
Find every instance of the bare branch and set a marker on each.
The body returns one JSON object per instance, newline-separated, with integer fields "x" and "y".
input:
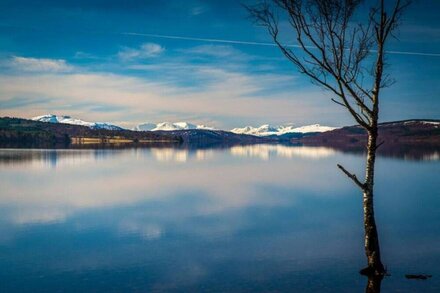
{"x": 335, "y": 47}
{"x": 379, "y": 144}
{"x": 339, "y": 103}
{"x": 352, "y": 177}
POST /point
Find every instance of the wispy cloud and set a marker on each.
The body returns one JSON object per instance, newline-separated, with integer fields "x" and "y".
{"x": 147, "y": 50}
{"x": 39, "y": 64}
{"x": 197, "y": 10}
{"x": 226, "y": 95}
{"x": 219, "y": 51}
{"x": 210, "y": 92}
{"x": 19, "y": 102}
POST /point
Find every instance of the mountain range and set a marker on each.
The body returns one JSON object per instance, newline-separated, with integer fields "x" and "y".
{"x": 169, "y": 126}
{"x": 51, "y": 118}
{"x": 18, "y": 132}
{"x": 415, "y": 136}
{"x": 268, "y": 130}
{"x": 263, "y": 130}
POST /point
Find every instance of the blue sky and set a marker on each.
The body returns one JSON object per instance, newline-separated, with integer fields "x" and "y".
{"x": 112, "y": 61}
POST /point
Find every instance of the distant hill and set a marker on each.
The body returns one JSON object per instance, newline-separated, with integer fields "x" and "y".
{"x": 201, "y": 136}
{"x": 399, "y": 135}
{"x": 29, "y": 133}
{"x": 17, "y": 132}
{"x": 404, "y": 135}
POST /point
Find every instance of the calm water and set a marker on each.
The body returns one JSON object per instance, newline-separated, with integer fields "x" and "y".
{"x": 253, "y": 218}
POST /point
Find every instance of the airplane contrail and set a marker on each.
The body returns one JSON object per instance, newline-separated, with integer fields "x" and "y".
{"x": 224, "y": 41}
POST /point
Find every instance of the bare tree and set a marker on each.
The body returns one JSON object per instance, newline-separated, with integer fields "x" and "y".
{"x": 336, "y": 47}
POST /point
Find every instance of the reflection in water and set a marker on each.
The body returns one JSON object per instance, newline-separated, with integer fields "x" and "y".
{"x": 248, "y": 218}
{"x": 265, "y": 151}
{"x": 52, "y": 157}
{"x": 49, "y": 197}
{"x": 434, "y": 156}
{"x": 416, "y": 152}
{"x": 165, "y": 154}
{"x": 180, "y": 155}
{"x": 170, "y": 154}
{"x": 374, "y": 284}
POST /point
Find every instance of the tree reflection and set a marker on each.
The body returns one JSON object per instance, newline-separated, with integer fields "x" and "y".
{"x": 373, "y": 284}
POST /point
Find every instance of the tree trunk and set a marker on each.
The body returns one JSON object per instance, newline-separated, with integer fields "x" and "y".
{"x": 372, "y": 249}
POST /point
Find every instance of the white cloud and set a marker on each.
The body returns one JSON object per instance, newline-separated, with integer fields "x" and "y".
{"x": 147, "y": 50}
{"x": 223, "y": 94}
{"x": 220, "y": 94}
{"x": 39, "y": 64}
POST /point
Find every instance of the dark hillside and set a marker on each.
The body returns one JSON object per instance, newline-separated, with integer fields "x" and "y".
{"x": 26, "y": 133}
{"x": 404, "y": 136}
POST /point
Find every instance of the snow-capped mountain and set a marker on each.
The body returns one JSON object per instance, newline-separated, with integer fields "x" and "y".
{"x": 306, "y": 129}
{"x": 263, "y": 130}
{"x": 69, "y": 120}
{"x": 266, "y": 129}
{"x": 169, "y": 126}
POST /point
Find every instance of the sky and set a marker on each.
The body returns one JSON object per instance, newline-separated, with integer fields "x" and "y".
{"x": 129, "y": 62}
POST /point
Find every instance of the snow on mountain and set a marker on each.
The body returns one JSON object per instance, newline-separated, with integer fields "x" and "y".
{"x": 263, "y": 130}
{"x": 266, "y": 130}
{"x": 435, "y": 123}
{"x": 145, "y": 127}
{"x": 169, "y": 126}
{"x": 69, "y": 120}
{"x": 307, "y": 129}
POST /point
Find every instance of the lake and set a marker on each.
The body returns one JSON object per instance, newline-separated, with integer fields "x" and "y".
{"x": 242, "y": 219}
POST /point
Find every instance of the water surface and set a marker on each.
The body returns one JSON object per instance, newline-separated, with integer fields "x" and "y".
{"x": 243, "y": 218}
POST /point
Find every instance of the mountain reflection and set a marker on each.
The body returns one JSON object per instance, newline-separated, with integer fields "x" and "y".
{"x": 64, "y": 182}
{"x": 56, "y": 188}
{"x": 58, "y": 157}
{"x": 54, "y": 158}
{"x": 49, "y": 158}
{"x": 180, "y": 155}
{"x": 265, "y": 151}
{"x": 262, "y": 151}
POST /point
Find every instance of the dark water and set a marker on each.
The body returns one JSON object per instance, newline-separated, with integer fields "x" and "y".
{"x": 255, "y": 218}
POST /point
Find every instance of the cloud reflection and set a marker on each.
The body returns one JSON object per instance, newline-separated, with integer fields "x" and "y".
{"x": 265, "y": 151}
{"x": 113, "y": 211}
{"x": 49, "y": 186}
